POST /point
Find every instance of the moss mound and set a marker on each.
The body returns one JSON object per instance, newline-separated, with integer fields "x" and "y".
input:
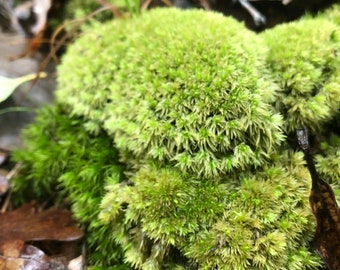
{"x": 303, "y": 57}
{"x": 249, "y": 221}
{"x": 165, "y": 144}
{"x": 167, "y": 94}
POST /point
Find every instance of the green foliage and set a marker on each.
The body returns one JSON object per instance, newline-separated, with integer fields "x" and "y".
{"x": 61, "y": 161}
{"x": 303, "y": 57}
{"x": 165, "y": 93}
{"x": 256, "y": 220}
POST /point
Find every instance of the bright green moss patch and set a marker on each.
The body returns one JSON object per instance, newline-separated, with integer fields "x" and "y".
{"x": 266, "y": 224}
{"x": 252, "y": 221}
{"x": 167, "y": 94}
{"x": 332, "y": 14}
{"x": 304, "y": 59}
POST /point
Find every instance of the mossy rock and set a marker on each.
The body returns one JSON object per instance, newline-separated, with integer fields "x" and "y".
{"x": 303, "y": 56}
{"x": 166, "y": 93}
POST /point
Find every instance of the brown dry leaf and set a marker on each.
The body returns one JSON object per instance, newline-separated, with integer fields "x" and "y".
{"x": 12, "y": 248}
{"x": 325, "y": 209}
{"x": 27, "y": 225}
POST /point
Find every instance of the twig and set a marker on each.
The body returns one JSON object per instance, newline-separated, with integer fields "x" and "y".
{"x": 146, "y": 4}
{"x": 13, "y": 172}
{"x": 167, "y": 2}
{"x": 325, "y": 210}
{"x": 114, "y": 9}
{"x": 258, "y": 18}
{"x": 9, "y": 176}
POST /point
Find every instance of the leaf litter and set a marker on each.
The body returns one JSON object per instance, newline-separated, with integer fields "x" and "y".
{"x": 24, "y": 229}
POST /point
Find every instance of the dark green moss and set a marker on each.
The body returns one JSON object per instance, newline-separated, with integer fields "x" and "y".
{"x": 63, "y": 163}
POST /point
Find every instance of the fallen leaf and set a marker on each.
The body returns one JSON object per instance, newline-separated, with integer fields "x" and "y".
{"x": 26, "y": 224}
{"x": 12, "y": 248}
{"x": 8, "y": 85}
{"x": 325, "y": 209}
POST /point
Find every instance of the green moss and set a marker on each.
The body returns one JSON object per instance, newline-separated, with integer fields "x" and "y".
{"x": 256, "y": 220}
{"x": 332, "y": 14}
{"x": 303, "y": 57}
{"x": 61, "y": 162}
{"x": 328, "y": 161}
{"x": 163, "y": 206}
{"x": 165, "y": 145}
{"x": 167, "y": 94}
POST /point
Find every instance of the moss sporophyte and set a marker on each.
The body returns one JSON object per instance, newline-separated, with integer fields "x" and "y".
{"x": 168, "y": 139}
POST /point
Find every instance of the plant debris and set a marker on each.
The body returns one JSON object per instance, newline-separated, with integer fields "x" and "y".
{"x": 26, "y": 224}
{"x": 325, "y": 210}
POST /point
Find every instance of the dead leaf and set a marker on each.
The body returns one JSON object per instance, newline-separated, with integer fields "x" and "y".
{"x": 325, "y": 210}
{"x": 27, "y": 225}
{"x": 12, "y": 248}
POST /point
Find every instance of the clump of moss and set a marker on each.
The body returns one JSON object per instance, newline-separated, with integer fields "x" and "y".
{"x": 303, "y": 57}
{"x": 165, "y": 93}
{"x": 332, "y": 14}
{"x": 249, "y": 221}
{"x": 184, "y": 105}
{"x": 63, "y": 163}
{"x": 328, "y": 162}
